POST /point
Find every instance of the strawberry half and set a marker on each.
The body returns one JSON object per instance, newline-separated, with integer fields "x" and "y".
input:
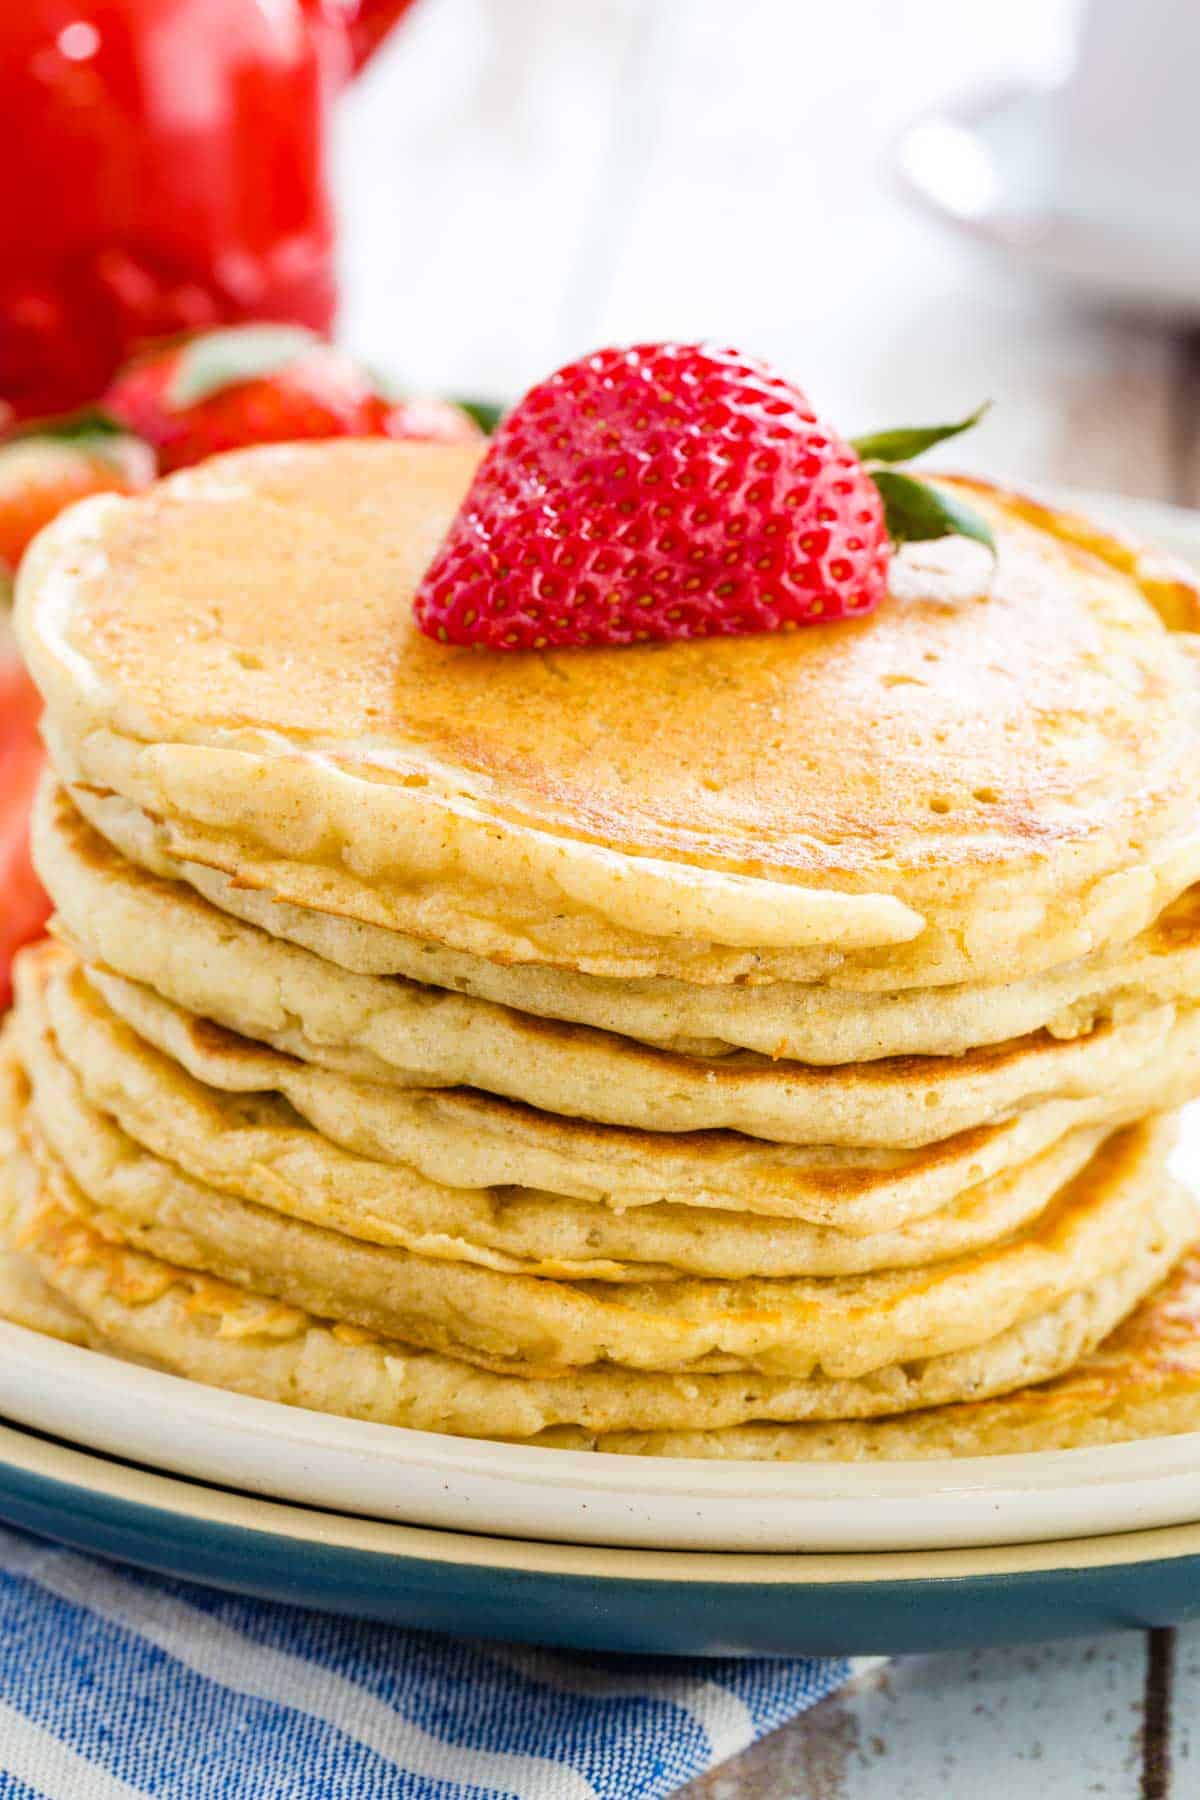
{"x": 670, "y": 491}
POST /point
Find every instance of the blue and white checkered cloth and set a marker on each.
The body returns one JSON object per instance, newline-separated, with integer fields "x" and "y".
{"x": 116, "y": 1685}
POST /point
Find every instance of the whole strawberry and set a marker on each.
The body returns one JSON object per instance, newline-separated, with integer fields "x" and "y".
{"x": 672, "y": 491}
{"x": 44, "y": 471}
{"x": 265, "y": 384}
{"x": 250, "y": 384}
{"x": 24, "y": 907}
{"x": 432, "y": 421}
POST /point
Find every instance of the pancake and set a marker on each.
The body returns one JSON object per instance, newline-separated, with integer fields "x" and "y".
{"x": 138, "y": 1306}
{"x": 820, "y": 1022}
{"x": 1143, "y": 1381}
{"x": 458, "y": 1137}
{"x": 385, "y": 1028}
{"x": 512, "y": 1324}
{"x": 840, "y": 1326}
{"x": 962, "y": 786}
{"x": 85, "y": 1064}
{"x": 25, "y": 1299}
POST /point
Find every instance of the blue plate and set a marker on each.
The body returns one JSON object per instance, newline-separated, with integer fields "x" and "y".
{"x": 585, "y": 1598}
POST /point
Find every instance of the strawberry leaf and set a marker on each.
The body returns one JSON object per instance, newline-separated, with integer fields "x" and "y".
{"x": 86, "y": 425}
{"x": 90, "y": 430}
{"x": 907, "y": 441}
{"x": 487, "y": 414}
{"x": 224, "y": 359}
{"x": 915, "y": 512}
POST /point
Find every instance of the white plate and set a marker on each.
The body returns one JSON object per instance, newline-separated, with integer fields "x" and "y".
{"x": 421, "y": 1478}
{"x": 571, "y": 1496}
{"x": 1175, "y": 528}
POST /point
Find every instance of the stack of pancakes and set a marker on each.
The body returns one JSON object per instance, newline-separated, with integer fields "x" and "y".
{"x": 756, "y": 1047}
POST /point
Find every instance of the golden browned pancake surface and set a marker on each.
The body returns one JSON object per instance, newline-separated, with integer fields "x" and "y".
{"x": 997, "y": 771}
{"x": 275, "y": 590}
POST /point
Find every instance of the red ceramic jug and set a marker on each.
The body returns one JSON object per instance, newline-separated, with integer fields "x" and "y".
{"x": 163, "y": 170}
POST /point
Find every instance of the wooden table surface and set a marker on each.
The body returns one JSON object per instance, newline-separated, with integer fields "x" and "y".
{"x": 522, "y": 180}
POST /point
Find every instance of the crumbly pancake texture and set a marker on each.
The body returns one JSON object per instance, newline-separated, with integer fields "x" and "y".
{"x": 964, "y": 785}
{"x": 382, "y": 1029}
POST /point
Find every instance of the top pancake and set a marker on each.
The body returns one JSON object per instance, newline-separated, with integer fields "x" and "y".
{"x": 961, "y": 784}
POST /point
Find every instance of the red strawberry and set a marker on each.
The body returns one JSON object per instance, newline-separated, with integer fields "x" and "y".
{"x": 432, "y": 421}
{"x": 250, "y": 384}
{"x": 668, "y": 491}
{"x": 40, "y": 474}
{"x": 24, "y": 907}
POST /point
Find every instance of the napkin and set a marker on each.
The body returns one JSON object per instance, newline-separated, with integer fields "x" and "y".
{"x": 116, "y": 1684}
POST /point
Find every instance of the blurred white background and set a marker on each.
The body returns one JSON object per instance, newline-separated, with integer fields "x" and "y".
{"x": 525, "y": 179}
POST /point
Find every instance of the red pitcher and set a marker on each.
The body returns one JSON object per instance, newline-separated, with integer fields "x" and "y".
{"x": 163, "y": 170}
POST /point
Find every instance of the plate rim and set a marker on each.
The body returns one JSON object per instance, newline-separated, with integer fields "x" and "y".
{"x": 206, "y": 1506}
{"x": 596, "y": 1472}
